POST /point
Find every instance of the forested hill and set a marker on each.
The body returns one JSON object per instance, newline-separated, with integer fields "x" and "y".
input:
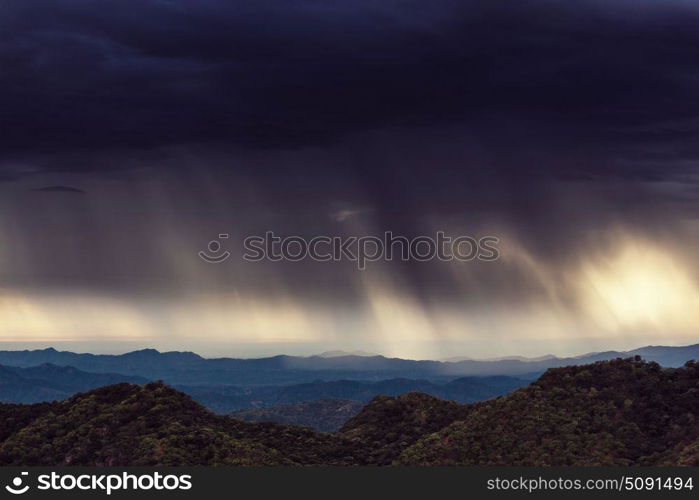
{"x": 620, "y": 412}
{"x": 128, "y": 424}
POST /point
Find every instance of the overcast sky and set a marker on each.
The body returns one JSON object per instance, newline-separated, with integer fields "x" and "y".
{"x": 134, "y": 132}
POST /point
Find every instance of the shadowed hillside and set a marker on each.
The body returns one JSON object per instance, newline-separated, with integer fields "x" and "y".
{"x": 324, "y": 415}
{"x": 388, "y": 425}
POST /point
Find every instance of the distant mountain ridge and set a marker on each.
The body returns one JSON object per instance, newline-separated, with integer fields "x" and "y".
{"x": 49, "y": 382}
{"x": 337, "y": 354}
{"x": 225, "y": 399}
{"x": 545, "y": 357}
{"x": 191, "y": 369}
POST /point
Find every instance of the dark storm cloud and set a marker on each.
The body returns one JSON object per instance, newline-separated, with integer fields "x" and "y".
{"x": 59, "y": 189}
{"x": 596, "y": 77}
{"x": 548, "y": 119}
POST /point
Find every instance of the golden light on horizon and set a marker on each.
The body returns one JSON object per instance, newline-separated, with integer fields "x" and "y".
{"x": 58, "y": 317}
{"x": 640, "y": 286}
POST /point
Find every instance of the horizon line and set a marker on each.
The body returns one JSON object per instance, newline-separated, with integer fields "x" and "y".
{"x": 451, "y": 359}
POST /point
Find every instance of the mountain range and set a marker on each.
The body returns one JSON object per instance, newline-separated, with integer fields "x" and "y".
{"x": 465, "y": 390}
{"x": 48, "y": 382}
{"x": 187, "y": 368}
{"x": 321, "y": 391}
{"x": 619, "y": 412}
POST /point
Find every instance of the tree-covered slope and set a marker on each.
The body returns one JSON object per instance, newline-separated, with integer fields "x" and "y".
{"x": 128, "y": 424}
{"x": 685, "y": 454}
{"x": 620, "y": 412}
{"x": 324, "y": 415}
{"x": 388, "y": 425}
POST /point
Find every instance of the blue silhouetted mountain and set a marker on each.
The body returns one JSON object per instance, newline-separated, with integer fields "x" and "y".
{"x": 48, "y": 382}
{"x": 224, "y": 399}
{"x": 190, "y": 369}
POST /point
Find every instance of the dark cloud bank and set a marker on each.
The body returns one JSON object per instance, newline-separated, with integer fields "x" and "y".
{"x": 547, "y": 120}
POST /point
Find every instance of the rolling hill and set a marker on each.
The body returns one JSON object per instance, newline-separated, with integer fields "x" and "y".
{"x": 153, "y": 424}
{"x": 621, "y": 412}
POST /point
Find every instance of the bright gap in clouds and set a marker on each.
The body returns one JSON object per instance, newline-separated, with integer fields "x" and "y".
{"x": 640, "y": 287}
{"x": 638, "y": 293}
